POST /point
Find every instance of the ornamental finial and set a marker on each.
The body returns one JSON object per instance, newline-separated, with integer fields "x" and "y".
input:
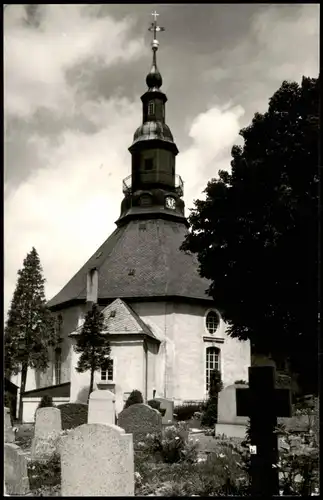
{"x": 155, "y": 28}
{"x": 154, "y": 80}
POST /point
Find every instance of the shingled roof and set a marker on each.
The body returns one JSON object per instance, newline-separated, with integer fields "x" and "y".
{"x": 120, "y": 318}
{"x": 140, "y": 260}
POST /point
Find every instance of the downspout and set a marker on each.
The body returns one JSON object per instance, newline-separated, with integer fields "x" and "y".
{"x": 165, "y": 375}
{"x": 146, "y": 369}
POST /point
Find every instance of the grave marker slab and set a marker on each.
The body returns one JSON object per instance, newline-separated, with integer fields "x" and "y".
{"x": 15, "y": 470}
{"x": 102, "y": 407}
{"x": 48, "y": 423}
{"x": 263, "y": 403}
{"x": 139, "y": 420}
{"x": 97, "y": 460}
{"x": 9, "y": 435}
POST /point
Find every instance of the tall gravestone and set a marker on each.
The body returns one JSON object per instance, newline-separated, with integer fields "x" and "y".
{"x": 102, "y": 407}
{"x": 48, "y": 425}
{"x": 15, "y": 470}
{"x": 263, "y": 403}
{"x": 97, "y": 460}
{"x": 139, "y": 420}
{"x": 9, "y": 435}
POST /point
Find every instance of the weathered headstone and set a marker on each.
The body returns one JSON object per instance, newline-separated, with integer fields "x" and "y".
{"x": 9, "y": 435}
{"x": 228, "y": 422}
{"x": 15, "y": 470}
{"x": 263, "y": 403}
{"x": 97, "y": 460}
{"x": 102, "y": 407}
{"x": 48, "y": 425}
{"x": 168, "y": 405}
{"x": 139, "y": 420}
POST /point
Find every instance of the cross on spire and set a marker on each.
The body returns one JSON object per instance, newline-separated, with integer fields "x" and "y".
{"x": 155, "y": 28}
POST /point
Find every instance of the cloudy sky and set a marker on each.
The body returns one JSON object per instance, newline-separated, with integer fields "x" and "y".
{"x": 73, "y": 79}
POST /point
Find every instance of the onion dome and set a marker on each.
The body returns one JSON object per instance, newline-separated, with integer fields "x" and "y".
{"x": 153, "y": 130}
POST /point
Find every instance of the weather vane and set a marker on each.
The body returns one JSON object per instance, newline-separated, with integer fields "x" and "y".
{"x": 155, "y": 28}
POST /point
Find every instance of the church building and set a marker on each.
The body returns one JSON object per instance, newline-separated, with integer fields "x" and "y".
{"x": 166, "y": 334}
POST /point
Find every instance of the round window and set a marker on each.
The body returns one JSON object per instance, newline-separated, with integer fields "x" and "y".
{"x": 212, "y": 321}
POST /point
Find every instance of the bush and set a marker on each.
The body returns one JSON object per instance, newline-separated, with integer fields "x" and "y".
{"x": 45, "y": 402}
{"x": 186, "y": 411}
{"x": 242, "y": 382}
{"x": 210, "y": 414}
{"x": 171, "y": 447}
{"x": 135, "y": 397}
{"x": 44, "y": 474}
{"x": 153, "y": 403}
{"x": 73, "y": 415}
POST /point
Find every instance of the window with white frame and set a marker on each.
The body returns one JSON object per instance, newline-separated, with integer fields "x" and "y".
{"x": 212, "y": 321}
{"x": 212, "y": 363}
{"x": 58, "y": 365}
{"x": 107, "y": 373}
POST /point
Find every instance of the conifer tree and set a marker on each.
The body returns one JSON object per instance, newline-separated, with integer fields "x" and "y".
{"x": 93, "y": 345}
{"x": 29, "y": 330}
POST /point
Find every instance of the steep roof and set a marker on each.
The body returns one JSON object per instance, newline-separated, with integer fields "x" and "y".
{"x": 140, "y": 260}
{"x": 120, "y": 318}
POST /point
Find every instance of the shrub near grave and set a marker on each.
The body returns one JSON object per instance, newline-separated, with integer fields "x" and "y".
{"x": 135, "y": 397}
{"x": 73, "y": 415}
{"x": 186, "y": 411}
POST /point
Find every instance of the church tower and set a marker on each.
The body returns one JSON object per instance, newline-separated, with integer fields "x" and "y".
{"x": 166, "y": 334}
{"x": 153, "y": 189}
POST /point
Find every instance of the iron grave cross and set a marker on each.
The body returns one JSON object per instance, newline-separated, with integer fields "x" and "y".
{"x": 263, "y": 403}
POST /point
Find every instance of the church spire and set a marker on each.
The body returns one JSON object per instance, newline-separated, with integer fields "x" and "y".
{"x": 153, "y": 189}
{"x": 154, "y": 79}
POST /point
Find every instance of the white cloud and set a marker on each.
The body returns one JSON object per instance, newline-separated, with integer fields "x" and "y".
{"x": 36, "y": 60}
{"x": 213, "y": 134}
{"x": 67, "y": 210}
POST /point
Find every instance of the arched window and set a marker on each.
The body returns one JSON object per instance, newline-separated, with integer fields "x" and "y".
{"x": 212, "y": 363}
{"x": 151, "y": 108}
{"x": 58, "y": 365}
{"x": 212, "y": 321}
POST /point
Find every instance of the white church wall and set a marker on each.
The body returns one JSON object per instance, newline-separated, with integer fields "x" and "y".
{"x": 154, "y": 314}
{"x": 180, "y": 366}
{"x": 129, "y": 372}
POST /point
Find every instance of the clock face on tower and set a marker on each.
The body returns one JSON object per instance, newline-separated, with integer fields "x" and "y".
{"x": 170, "y": 202}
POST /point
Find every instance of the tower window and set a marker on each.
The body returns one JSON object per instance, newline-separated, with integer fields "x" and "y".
{"x": 58, "y": 365}
{"x": 151, "y": 108}
{"x": 212, "y": 363}
{"x": 107, "y": 373}
{"x": 149, "y": 164}
{"x": 212, "y": 322}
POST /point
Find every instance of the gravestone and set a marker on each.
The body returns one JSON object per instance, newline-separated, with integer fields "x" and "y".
{"x": 168, "y": 405}
{"x": 97, "y": 460}
{"x": 263, "y": 403}
{"x": 15, "y": 470}
{"x": 9, "y": 435}
{"x": 102, "y": 407}
{"x": 228, "y": 422}
{"x": 139, "y": 420}
{"x": 48, "y": 425}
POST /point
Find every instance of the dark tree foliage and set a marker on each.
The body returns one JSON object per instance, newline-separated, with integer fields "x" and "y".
{"x": 46, "y": 401}
{"x": 210, "y": 413}
{"x": 30, "y": 328}
{"x": 134, "y": 397}
{"x": 256, "y": 234}
{"x": 93, "y": 345}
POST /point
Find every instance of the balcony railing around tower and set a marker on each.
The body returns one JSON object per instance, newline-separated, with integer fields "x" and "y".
{"x": 127, "y": 185}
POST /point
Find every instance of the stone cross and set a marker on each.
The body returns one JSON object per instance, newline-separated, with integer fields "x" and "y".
{"x": 263, "y": 403}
